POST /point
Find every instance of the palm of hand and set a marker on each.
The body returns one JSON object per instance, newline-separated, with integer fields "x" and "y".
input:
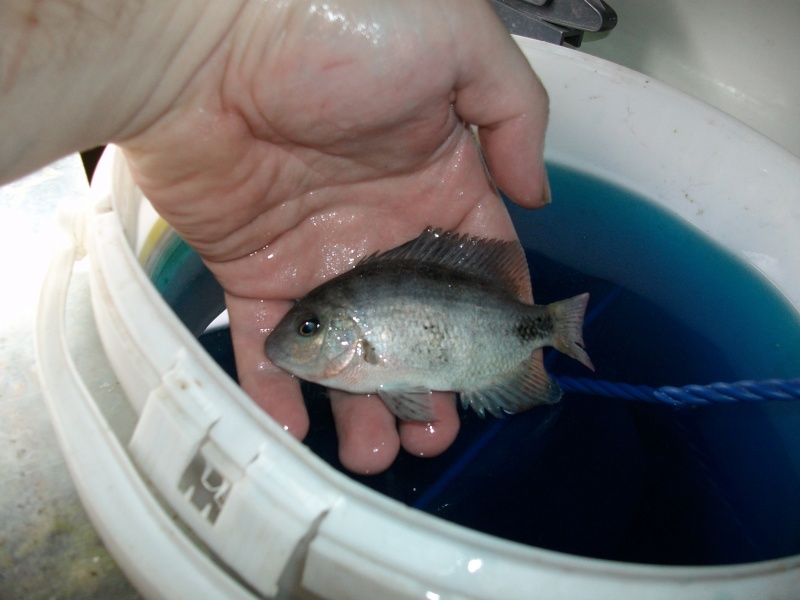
{"x": 287, "y": 162}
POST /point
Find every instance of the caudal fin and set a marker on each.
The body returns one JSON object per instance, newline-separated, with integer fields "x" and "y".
{"x": 568, "y": 323}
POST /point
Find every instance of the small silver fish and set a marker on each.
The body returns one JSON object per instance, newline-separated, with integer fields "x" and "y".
{"x": 443, "y": 312}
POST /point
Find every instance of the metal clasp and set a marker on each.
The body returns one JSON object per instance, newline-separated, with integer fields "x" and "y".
{"x": 555, "y": 21}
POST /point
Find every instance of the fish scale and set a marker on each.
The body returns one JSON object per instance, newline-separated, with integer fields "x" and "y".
{"x": 448, "y": 333}
{"x": 443, "y": 312}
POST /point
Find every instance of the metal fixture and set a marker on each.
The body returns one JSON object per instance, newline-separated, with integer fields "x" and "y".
{"x": 556, "y": 21}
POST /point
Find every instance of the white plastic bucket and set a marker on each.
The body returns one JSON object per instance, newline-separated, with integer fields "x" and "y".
{"x": 276, "y": 520}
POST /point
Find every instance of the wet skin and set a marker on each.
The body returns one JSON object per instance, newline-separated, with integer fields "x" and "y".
{"x": 309, "y": 138}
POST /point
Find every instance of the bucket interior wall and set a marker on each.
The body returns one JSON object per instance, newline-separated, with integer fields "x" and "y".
{"x": 612, "y": 479}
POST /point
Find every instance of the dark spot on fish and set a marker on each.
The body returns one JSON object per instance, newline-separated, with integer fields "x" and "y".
{"x": 368, "y": 353}
{"x": 533, "y": 328}
{"x": 432, "y": 342}
{"x": 433, "y": 331}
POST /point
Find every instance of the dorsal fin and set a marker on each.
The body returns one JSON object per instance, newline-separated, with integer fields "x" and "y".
{"x": 495, "y": 260}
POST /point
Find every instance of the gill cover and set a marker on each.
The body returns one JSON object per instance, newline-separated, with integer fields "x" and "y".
{"x": 312, "y": 346}
{"x": 341, "y": 342}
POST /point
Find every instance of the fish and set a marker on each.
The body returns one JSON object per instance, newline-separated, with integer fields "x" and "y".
{"x": 442, "y": 312}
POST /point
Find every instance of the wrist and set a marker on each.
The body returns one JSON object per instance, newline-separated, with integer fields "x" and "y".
{"x": 78, "y": 74}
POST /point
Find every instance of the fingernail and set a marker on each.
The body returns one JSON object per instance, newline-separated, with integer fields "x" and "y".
{"x": 546, "y": 197}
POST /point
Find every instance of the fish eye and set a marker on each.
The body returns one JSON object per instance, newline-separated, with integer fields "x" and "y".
{"x": 308, "y": 326}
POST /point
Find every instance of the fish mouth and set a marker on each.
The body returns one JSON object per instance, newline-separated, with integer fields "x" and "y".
{"x": 274, "y": 351}
{"x": 269, "y": 346}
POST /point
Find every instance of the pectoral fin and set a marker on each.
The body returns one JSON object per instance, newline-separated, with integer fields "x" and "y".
{"x": 523, "y": 388}
{"x": 408, "y": 404}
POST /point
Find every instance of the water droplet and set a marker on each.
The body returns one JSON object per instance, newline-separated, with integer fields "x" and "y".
{"x": 261, "y": 250}
{"x": 474, "y": 565}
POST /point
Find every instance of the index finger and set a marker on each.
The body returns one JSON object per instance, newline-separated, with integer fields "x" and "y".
{"x": 272, "y": 389}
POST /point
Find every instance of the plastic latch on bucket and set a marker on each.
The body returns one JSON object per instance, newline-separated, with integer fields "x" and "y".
{"x": 249, "y": 507}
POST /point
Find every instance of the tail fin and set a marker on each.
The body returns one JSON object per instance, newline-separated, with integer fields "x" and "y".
{"x": 568, "y": 322}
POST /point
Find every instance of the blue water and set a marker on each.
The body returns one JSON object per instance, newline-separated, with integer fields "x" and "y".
{"x": 618, "y": 479}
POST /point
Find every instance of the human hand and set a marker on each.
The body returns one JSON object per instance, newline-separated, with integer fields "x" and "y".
{"x": 315, "y": 134}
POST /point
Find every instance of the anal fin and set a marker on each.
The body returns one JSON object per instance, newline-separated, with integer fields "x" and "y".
{"x": 521, "y": 389}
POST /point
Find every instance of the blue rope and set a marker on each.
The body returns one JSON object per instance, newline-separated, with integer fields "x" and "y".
{"x": 696, "y": 395}
{"x": 688, "y": 395}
